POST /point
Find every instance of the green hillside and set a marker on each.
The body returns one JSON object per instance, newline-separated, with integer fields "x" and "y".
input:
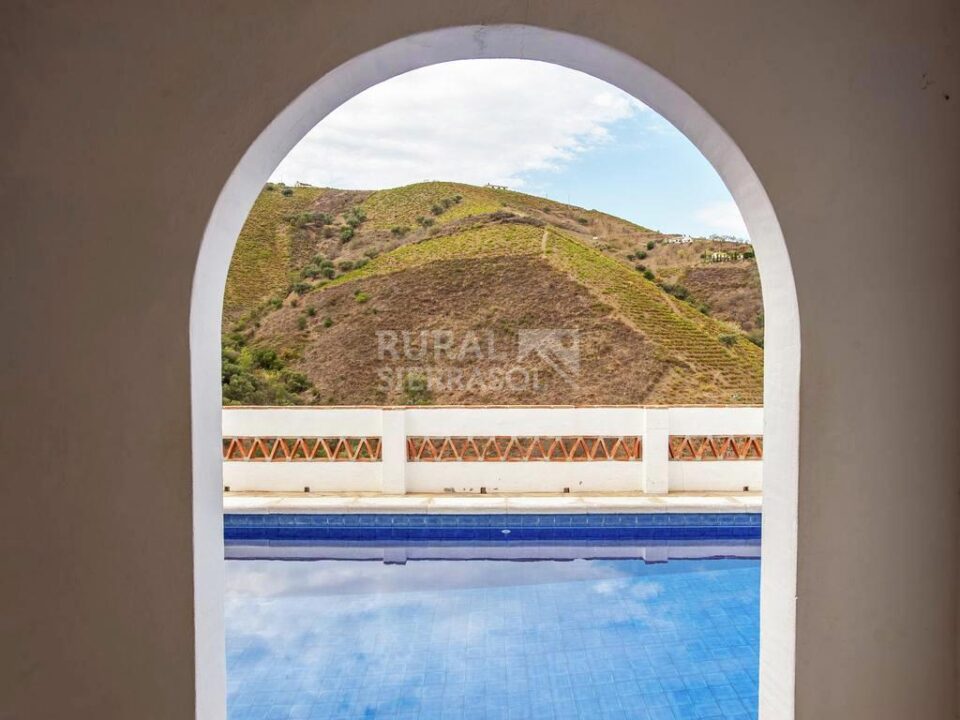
{"x": 318, "y": 273}
{"x": 265, "y": 259}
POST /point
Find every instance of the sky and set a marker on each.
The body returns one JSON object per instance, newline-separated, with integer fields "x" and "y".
{"x": 532, "y": 126}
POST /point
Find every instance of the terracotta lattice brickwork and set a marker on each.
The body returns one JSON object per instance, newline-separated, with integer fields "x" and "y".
{"x": 716, "y": 447}
{"x": 283, "y": 449}
{"x": 498, "y": 448}
{"x": 507, "y": 448}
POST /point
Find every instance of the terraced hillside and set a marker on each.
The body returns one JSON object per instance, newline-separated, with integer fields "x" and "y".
{"x": 427, "y": 294}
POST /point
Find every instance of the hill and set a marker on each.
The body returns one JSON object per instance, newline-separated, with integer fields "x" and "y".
{"x": 431, "y": 293}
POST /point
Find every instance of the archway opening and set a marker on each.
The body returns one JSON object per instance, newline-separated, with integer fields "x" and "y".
{"x": 641, "y": 82}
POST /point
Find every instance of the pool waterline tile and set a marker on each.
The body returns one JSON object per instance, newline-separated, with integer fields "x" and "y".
{"x": 505, "y": 527}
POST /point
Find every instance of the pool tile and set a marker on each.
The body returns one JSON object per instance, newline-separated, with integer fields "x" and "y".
{"x": 610, "y": 638}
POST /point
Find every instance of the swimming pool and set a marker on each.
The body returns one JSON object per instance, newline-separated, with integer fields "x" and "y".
{"x": 623, "y": 626}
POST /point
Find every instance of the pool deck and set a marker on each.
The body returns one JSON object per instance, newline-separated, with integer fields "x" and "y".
{"x": 343, "y": 503}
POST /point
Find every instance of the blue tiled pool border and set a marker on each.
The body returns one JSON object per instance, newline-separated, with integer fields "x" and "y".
{"x": 505, "y": 527}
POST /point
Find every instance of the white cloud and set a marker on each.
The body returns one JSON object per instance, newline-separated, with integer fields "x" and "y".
{"x": 474, "y": 121}
{"x": 723, "y": 218}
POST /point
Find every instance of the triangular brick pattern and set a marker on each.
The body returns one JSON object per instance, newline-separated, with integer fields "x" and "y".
{"x": 515, "y": 448}
{"x": 716, "y": 447}
{"x": 287, "y": 449}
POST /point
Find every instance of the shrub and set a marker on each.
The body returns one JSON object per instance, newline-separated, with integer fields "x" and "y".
{"x": 457, "y": 198}
{"x": 346, "y": 233}
{"x": 266, "y": 359}
{"x": 728, "y": 339}
{"x": 360, "y": 263}
{"x": 641, "y": 255}
{"x": 328, "y": 231}
{"x": 750, "y": 255}
{"x": 228, "y": 365}
{"x": 651, "y": 245}
{"x": 295, "y": 382}
{"x": 345, "y": 265}
{"x": 287, "y": 192}
{"x": 424, "y": 221}
{"x": 269, "y": 187}
{"x": 308, "y": 218}
{"x": 583, "y": 221}
{"x": 640, "y": 267}
{"x": 360, "y": 296}
{"x": 648, "y": 274}
{"x": 327, "y": 321}
{"x": 446, "y": 202}
{"x": 756, "y": 337}
{"x": 355, "y": 216}
{"x": 329, "y": 273}
{"x": 302, "y": 322}
{"x": 301, "y": 288}
{"x": 436, "y": 209}
{"x": 239, "y": 388}
{"x": 399, "y": 230}
{"x": 678, "y": 291}
{"x": 416, "y": 389}
{"x": 300, "y": 220}
{"x": 311, "y": 311}
{"x": 237, "y": 339}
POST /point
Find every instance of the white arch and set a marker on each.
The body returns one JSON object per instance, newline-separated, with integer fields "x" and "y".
{"x": 782, "y": 352}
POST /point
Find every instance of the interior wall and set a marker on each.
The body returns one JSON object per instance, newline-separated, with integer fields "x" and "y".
{"x": 122, "y": 122}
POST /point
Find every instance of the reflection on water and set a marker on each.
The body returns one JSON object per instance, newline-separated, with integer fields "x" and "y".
{"x": 599, "y": 633}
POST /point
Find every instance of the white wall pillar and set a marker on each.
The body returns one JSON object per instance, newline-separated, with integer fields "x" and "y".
{"x": 394, "y": 452}
{"x": 656, "y": 451}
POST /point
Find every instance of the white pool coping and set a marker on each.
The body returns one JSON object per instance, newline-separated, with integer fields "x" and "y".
{"x": 460, "y": 504}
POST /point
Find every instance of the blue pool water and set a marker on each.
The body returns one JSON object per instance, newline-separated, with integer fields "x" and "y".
{"x": 639, "y": 629}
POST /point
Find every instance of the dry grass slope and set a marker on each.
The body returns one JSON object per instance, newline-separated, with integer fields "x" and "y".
{"x": 301, "y": 289}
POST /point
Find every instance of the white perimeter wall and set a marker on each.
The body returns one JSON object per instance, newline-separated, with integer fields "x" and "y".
{"x": 654, "y": 474}
{"x": 707, "y": 475}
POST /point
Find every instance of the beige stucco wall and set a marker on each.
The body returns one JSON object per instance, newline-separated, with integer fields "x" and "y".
{"x": 120, "y": 125}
